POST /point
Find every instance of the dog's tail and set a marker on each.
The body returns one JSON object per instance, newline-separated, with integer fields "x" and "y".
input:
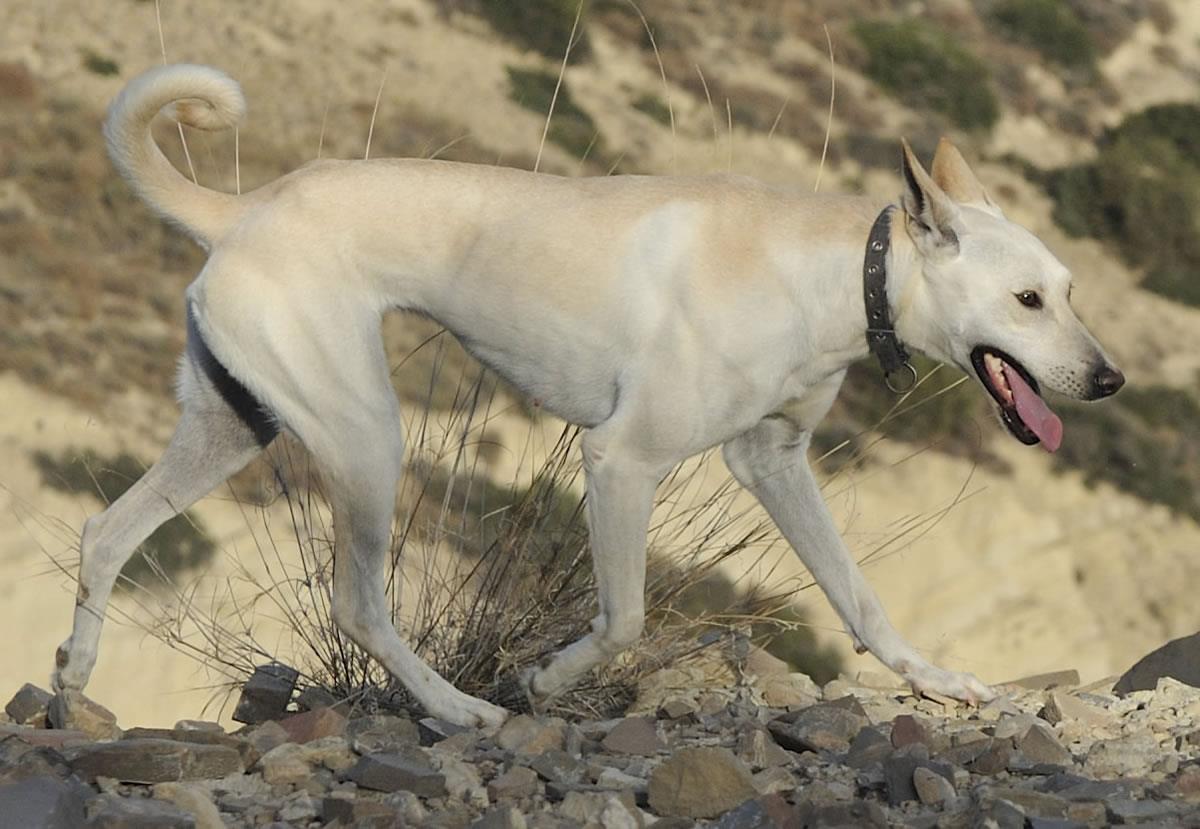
{"x": 197, "y": 96}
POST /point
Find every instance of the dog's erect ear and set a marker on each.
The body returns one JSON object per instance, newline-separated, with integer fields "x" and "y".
{"x": 957, "y": 180}
{"x": 931, "y": 215}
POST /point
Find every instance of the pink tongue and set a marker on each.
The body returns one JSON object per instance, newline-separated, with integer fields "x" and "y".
{"x": 1034, "y": 411}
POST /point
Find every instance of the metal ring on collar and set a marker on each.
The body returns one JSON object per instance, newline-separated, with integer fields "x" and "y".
{"x": 906, "y": 371}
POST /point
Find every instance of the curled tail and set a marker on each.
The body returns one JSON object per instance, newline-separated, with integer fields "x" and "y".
{"x": 197, "y": 96}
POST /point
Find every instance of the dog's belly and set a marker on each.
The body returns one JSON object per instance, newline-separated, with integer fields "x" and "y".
{"x": 557, "y": 379}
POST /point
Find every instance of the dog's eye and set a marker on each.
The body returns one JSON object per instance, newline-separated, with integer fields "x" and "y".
{"x": 1030, "y": 299}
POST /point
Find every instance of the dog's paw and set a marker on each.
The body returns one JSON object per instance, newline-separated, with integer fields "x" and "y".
{"x": 926, "y": 678}
{"x": 468, "y": 711}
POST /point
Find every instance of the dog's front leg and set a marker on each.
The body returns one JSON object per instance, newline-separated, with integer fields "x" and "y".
{"x": 770, "y": 461}
{"x": 620, "y": 497}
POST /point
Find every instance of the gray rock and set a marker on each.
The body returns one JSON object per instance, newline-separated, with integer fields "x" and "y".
{"x": 1041, "y": 682}
{"x": 1039, "y": 745}
{"x": 266, "y": 694}
{"x": 862, "y": 813}
{"x": 907, "y": 729}
{"x": 1042, "y": 804}
{"x": 634, "y": 735}
{"x": 767, "y": 812}
{"x": 42, "y": 803}
{"x": 1126, "y": 810}
{"x": 528, "y": 735}
{"x": 869, "y": 748}
{"x": 109, "y": 811}
{"x": 898, "y": 775}
{"x": 931, "y": 787}
{"x": 1002, "y": 815}
{"x": 29, "y": 706}
{"x": 827, "y": 726}
{"x": 1179, "y": 658}
{"x": 678, "y": 708}
{"x": 994, "y": 759}
{"x": 21, "y": 761}
{"x": 1134, "y": 754}
{"x": 71, "y": 710}
{"x": 605, "y": 809}
{"x": 312, "y": 698}
{"x": 501, "y": 817}
{"x": 558, "y": 767}
{"x": 155, "y": 761}
{"x": 1060, "y": 706}
{"x": 432, "y": 730}
{"x": 700, "y": 782}
{"x": 379, "y": 732}
{"x": 758, "y": 749}
{"x": 514, "y": 784}
{"x": 404, "y": 769}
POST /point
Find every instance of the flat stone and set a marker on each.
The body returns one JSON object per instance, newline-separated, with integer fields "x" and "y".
{"x": 907, "y": 729}
{"x": 287, "y": 764}
{"x": 1039, "y": 745}
{"x": 21, "y": 761}
{"x": 678, "y": 708}
{"x": 72, "y": 710}
{"x": 700, "y": 782}
{"x": 1127, "y": 810}
{"x": 199, "y": 725}
{"x": 994, "y": 759}
{"x": 899, "y": 772}
{"x": 42, "y": 803}
{"x": 358, "y": 811}
{"x": 266, "y": 694}
{"x": 381, "y": 732}
{"x": 1179, "y": 658}
{"x": 501, "y": 817}
{"x": 29, "y": 706}
{"x": 827, "y": 726}
{"x": 1134, "y": 754}
{"x": 514, "y": 784}
{"x": 527, "y": 735}
{"x": 558, "y": 767}
{"x": 56, "y": 738}
{"x": 407, "y": 770}
{"x": 869, "y": 748}
{"x": 1042, "y": 804}
{"x": 770, "y": 811}
{"x": 758, "y": 749}
{"x": 313, "y": 697}
{"x": 931, "y": 787}
{"x": 313, "y": 725}
{"x": 110, "y": 811}
{"x": 862, "y": 813}
{"x": 206, "y": 737}
{"x": 1002, "y": 815}
{"x": 788, "y": 691}
{"x": 431, "y": 730}
{"x": 634, "y": 735}
{"x": 776, "y": 780}
{"x": 1053, "y": 679}
{"x": 155, "y": 761}
{"x": 1059, "y": 706}
{"x": 265, "y": 737}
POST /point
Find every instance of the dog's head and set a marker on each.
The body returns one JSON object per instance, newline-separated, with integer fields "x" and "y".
{"x": 990, "y": 298}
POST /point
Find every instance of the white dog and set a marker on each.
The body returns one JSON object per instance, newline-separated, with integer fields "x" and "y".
{"x": 665, "y": 315}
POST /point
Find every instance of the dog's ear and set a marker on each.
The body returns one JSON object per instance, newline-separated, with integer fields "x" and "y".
{"x": 931, "y": 215}
{"x": 958, "y": 181}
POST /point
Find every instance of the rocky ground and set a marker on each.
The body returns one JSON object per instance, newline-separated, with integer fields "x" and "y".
{"x": 774, "y": 751}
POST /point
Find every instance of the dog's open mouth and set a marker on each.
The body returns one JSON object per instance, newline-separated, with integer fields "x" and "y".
{"x": 1015, "y": 391}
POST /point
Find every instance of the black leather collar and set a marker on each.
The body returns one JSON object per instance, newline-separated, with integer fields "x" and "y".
{"x": 898, "y": 372}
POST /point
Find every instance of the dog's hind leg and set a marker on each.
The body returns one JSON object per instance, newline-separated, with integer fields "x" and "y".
{"x": 321, "y": 366}
{"x": 769, "y": 460}
{"x": 221, "y": 429}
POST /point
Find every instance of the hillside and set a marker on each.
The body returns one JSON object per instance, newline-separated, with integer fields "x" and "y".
{"x": 1083, "y": 561}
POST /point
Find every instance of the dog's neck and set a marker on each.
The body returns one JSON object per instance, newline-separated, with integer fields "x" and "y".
{"x": 835, "y": 331}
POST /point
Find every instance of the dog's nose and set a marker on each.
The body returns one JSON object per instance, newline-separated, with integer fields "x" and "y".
{"x": 1108, "y": 380}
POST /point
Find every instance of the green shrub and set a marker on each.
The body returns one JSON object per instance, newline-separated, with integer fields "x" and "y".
{"x": 178, "y": 545}
{"x": 653, "y": 106}
{"x": 1142, "y": 194}
{"x": 100, "y": 64}
{"x": 1049, "y": 26}
{"x": 925, "y": 67}
{"x": 541, "y": 25}
{"x": 571, "y": 127}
